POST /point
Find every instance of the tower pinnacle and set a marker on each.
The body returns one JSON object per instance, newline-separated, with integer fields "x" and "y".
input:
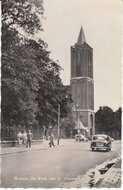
{"x": 81, "y": 37}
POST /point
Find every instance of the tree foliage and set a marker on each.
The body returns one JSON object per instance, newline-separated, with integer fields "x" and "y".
{"x": 108, "y": 121}
{"x": 31, "y": 83}
{"x": 68, "y": 124}
{"x": 22, "y": 14}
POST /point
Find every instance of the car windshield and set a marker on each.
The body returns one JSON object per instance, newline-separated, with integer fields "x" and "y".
{"x": 99, "y": 138}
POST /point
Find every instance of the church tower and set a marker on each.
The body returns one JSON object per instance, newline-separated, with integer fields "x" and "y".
{"x": 82, "y": 83}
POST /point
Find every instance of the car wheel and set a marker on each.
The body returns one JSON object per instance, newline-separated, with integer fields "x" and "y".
{"x": 108, "y": 149}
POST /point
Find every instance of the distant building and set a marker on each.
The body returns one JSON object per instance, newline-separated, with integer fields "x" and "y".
{"x": 82, "y": 83}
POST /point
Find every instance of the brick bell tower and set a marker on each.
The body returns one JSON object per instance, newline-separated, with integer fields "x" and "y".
{"x": 82, "y": 83}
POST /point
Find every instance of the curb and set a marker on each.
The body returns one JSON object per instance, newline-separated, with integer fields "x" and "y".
{"x": 112, "y": 178}
{"x": 27, "y": 150}
{"x": 22, "y": 151}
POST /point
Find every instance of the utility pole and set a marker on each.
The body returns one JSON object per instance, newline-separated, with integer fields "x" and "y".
{"x": 58, "y": 124}
{"x": 77, "y": 114}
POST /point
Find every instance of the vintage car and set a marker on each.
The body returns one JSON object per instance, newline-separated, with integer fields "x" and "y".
{"x": 80, "y": 137}
{"x": 101, "y": 142}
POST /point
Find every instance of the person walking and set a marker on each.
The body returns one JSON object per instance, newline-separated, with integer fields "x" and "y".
{"x": 19, "y": 138}
{"x": 51, "y": 143}
{"x": 29, "y": 139}
{"x": 25, "y": 138}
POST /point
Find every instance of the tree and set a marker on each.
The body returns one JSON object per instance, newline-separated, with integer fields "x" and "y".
{"x": 104, "y": 118}
{"x": 51, "y": 93}
{"x": 68, "y": 124}
{"x": 17, "y": 86}
{"x": 117, "y": 122}
{"x": 22, "y": 14}
{"x": 19, "y": 82}
{"x": 31, "y": 83}
{"x": 109, "y": 122}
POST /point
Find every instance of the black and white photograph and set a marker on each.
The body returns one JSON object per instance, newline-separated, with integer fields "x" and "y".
{"x": 61, "y": 94}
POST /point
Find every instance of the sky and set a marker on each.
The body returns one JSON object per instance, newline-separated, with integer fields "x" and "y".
{"x": 101, "y": 22}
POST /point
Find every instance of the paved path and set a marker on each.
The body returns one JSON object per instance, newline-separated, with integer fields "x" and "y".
{"x": 66, "y": 162}
{"x": 17, "y": 149}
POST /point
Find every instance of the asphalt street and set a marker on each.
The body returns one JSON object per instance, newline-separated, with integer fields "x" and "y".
{"x": 51, "y": 167}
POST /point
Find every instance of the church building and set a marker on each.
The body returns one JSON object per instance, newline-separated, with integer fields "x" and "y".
{"x": 82, "y": 83}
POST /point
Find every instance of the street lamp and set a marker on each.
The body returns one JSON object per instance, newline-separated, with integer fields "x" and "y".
{"x": 77, "y": 107}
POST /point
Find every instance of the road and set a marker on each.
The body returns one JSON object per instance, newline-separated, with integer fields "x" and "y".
{"x": 51, "y": 167}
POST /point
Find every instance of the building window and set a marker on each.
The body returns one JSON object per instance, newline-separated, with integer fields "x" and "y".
{"x": 78, "y": 63}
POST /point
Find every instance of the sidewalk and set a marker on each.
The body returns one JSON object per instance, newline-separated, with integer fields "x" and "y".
{"x": 18, "y": 149}
{"x": 43, "y": 145}
{"x": 112, "y": 178}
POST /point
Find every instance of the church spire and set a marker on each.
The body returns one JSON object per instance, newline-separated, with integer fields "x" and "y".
{"x": 81, "y": 37}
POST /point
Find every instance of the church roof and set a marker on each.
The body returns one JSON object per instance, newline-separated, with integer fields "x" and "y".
{"x": 81, "y": 37}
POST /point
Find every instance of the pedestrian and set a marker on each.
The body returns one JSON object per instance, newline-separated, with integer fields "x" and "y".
{"x": 29, "y": 139}
{"x": 51, "y": 138}
{"x": 19, "y": 138}
{"x": 25, "y": 138}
